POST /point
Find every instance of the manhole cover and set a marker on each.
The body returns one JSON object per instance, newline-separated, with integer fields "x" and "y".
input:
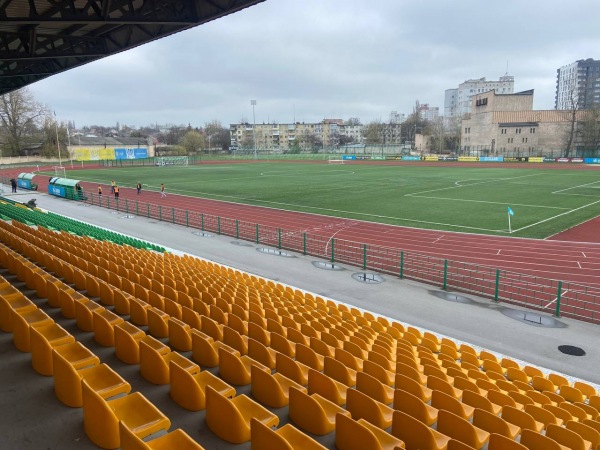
{"x": 451, "y": 297}
{"x": 327, "y": 265}
{"x": 127, "y": 216}
{"x": 369, "y": 278}
{"x": 241, "y": 243}
{"x": 272, "y": 251}
{"x": 571, "y": 350}
{"x": 201, "y": 233}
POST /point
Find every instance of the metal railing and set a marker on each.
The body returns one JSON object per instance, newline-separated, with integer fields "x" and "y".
{"x": 561, "y": 298}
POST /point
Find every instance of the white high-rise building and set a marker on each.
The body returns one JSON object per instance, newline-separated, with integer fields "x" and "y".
{"x": 578, "y": 85}
{"x": 457, "y": 101}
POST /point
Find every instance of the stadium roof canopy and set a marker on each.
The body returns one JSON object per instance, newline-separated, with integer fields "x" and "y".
{"x": 39, "y": 38}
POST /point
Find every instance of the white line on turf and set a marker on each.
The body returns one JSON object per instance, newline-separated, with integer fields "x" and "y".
{"x": 485, "y": 201}
{"x": 554, "y": 217}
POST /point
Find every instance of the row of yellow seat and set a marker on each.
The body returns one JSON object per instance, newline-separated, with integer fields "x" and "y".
{"x": 410, "y": 333}
{"x": 113, "y": 416}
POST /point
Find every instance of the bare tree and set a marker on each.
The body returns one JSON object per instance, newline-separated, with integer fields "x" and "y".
{"x": 589, "y": 132}
{"x": 437, "y": 132}
{"x": 219, "y": 135}
{"x": 353, "y": 121}
{"x": 572, "y": 117}
{"x": 373, "y": 132}
{"x": 20, "y": 116}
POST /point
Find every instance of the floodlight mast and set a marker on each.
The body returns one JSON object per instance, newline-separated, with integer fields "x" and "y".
{"x": 253, "y": 103}
{"x": 57, "y": 143}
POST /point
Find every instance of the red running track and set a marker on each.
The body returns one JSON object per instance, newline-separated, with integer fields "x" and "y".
{"x": 577, "y": 262}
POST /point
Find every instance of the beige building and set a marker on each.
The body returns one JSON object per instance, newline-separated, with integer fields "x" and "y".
{"x": 507, "y": 125}
{"x": 281, "y": 137}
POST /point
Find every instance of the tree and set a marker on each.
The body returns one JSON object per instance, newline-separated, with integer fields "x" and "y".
{"x": 352, "y": 121}
{"x": 589, "y": 132}
{"x": 192, "y": 141}
{"x": 373, "y": 132}
{"x": 219, "y": 135}
{"x": 414, "y": 124}
{"x": 438, "y": 135}
{"x": 20, "y": 116}
{"x": 572, "y": 116}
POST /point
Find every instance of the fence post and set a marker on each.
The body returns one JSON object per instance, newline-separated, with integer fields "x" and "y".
{"x": 137, "y": 208}
{"x": 257, "y": 235}
{"x": 497, "y": 285}
{"x": 202, "y": 221}
{"x": 402, "y": 264}
{"x": 148, "y": 205}
{"x": 445, "y": 274}
{"x": 558, "y": 295}
{"x": 126, "y": 207}
{"x": 279, "y": 238}
{"x": 364, "y": 256}
{"x": 237, "y": 229}
{"x": 304, "y": 244}
{"x": 332, "y": 250}
{"x": 173, "y": 213}
{"x": 218, "y": 224}
{"x": 160, "y": 212}
{"x": 187, "y": 218}
{"x": 108, "y": 202}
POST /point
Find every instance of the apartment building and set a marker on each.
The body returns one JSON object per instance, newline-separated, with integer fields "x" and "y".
{"x": 578, "y": 85}
{"x": 457, "y": 101}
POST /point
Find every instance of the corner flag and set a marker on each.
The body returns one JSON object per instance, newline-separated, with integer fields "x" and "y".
{"x": 510, "y": 211}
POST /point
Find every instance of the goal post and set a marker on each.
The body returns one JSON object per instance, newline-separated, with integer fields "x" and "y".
{"x": 60, "y": 172}
{"x": 335, "y": 160}
{"x": 171, "y": 161}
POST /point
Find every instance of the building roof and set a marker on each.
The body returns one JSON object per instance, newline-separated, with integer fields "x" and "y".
{"x": 551, "y": 115}
{"x": 108, "y": 141}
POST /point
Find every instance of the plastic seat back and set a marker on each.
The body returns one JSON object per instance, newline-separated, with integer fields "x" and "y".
{"x": 493, "y": 424}
{"x": 586, "y": 432}
{"x": 566, "y": 437}
{"x": 521, "y": 419}
{"x": 374, "y": 388}
{"x": 415, "y": 434}
{"x": 351, "y": 435}
{"x": 326, "y": 387}
{"x": 339, "y": 372}
{"x": 461, "y": 429}
{"x": 291, "y": 369}
{"x": 415, "y": 407}
{"x": 204, "y": 349}
{"x": 499, "y": 442}
{"x": 361, "y": 406}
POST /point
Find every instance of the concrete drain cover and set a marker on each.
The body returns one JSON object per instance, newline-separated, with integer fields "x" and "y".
{"x": 451, "y": 297}
{"x": 200, "y": 233}
{"x": 272, "y": 251}
{"x": 327, "y": 265}
{"x": 241, "y": 243}
{"x": 533, "y": 318}
{"x": 571, "y": 350}
{"x": 127, "y": 216}
{"x": 369, "y": 278}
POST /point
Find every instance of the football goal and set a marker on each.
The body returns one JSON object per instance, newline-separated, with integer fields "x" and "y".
{"x": 171, "y": 161}
{"x": 60, "y": 172}
{"x": 335, "y": 160}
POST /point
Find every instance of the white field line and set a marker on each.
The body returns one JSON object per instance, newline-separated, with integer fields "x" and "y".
{"x": 575, "y": 187}
{"x": 554, "y": 301}
{"x": 485, "y": 201}
{"x": 554, "y": 217}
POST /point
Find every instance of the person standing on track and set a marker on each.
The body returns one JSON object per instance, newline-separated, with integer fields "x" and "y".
{"x": 162, "y": 190}
{"x": 138, "y": 187}
{"x": 100, "y": 192}
{"x": 116, "y": 190}
{"x": 112, "y": 186}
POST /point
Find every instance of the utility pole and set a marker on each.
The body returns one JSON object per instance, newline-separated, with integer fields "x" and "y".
{"x": 253, "y": 103}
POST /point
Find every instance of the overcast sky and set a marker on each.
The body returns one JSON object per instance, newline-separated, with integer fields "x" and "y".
{"x": 315, "y": 59}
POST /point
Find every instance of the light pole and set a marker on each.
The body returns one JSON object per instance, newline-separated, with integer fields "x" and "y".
{"x": 253, "y": 103}
{"x": 57, "y": 143}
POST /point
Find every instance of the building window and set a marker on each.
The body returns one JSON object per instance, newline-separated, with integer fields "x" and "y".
{"x": 532, "y": 130}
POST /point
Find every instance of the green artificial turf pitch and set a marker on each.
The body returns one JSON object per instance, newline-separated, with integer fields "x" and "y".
{"x": 467, "y": 199}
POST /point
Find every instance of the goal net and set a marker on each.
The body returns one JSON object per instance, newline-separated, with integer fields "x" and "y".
{"x": 60, "y": 172}
{"x": 334, "y": 160}
{"x": 171, "y": 161}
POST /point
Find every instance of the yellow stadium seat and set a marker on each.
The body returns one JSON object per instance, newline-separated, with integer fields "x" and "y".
{"x": 587, "y": 389}
{"x": 282, "y": 345}
{"x": 353, "y": 434}
{"x": 494, "y": 424}
{"x": 104, "y": 326}
{"x": 272, "y": 389}
{"x": 291, "y": 369}
{"x": 101, "y": 417}
{"x": 415, "y": 407}
{"x": 417, "y": 435}
{"x": 177, "y": 439}
{"x": 567, "y": 437}
{"x": 158, "y": 323}
{"x": 586, "y": 432}
{"x": 205, "y": 351}
{"x": 437, "y": 384}
{"x": 338, "y": 371}
{"x": 180, "y": 334}
{"x": 558, "y": 380}
{"x": 499, "y": 442}
{"x": 571, "y": 394}
{"x": 522, "y": 419}
{"x": 361, "y": 406}
{"x": 479, "y": 401}
{"x": 536, "y": 441}
{"x": 348, "y": 359}
{"x": 309, "y": 357}
{"x": 154, "y": 361}
{"x": 543, "y": 415}
{"x": 43, "y": 340}
{"x": 374, "y": 388}
{"x": 230, "y": 419}
{"x": 313, "y": 413}
{"x": 326, "y": 387}
{"x": 559, "y": 412}
{"x": 461, "y": 429}
{"x": 235, "y": 369}
{"x": 127, "y": 342}
{"x": 22, "y": 320}
{"x": 577, "y": 412}
{"x": 441, "y": 400}
{"x": 188, "y": 390}
{"x": 84, "y": 308}
{"x": 287, "y": 437}
{"x": 138, "y": 311}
